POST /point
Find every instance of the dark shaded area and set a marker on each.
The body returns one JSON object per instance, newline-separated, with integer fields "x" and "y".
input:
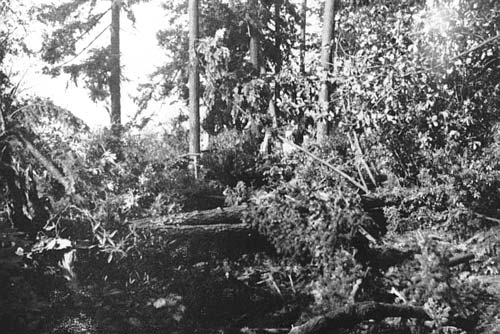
{"x": 353, "y": 314}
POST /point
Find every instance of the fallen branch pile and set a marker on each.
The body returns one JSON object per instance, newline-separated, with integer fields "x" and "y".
{"x": 226, "y": 224}
{"x": 354, "y": 314}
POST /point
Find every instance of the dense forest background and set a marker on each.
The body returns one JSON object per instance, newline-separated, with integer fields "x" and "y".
{"x": 350, "y": 183}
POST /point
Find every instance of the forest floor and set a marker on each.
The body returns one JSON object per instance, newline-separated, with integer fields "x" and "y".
{"x": 191, "y": 285}
{"x": 175, "y": 294}
{"x": 224, "y": 281}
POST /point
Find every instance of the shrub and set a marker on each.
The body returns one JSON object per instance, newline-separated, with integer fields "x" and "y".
{"x": 233, "y": 156}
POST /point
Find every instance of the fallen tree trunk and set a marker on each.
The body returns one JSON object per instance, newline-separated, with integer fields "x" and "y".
{"x": 200, "y": 242}
{"x": 220, "y": 216}
{"x": 179, "y": 230}
{"x": 206, "y": 233}
{"x": 232, "y": 215}
{"x": 226, "y": 223}
{"x": 354, "y": 314}
{"x": 383, "y": 258}
{"x": 460, "y": 259}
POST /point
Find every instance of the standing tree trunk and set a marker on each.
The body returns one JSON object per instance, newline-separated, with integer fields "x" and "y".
{"x": 254, "y": 38}
{"x": 4, "y": 103}
{"x": 194, "y": 84}
{"x": 2, "y": 123}
{"x": 114, "y": 79}
{"x": 328, "y": 35}
{"x": 303, "y": 38}
{"x": 273, "y": 109}
{"x": 277, "y": 34}
{"x": 253, "y": 49}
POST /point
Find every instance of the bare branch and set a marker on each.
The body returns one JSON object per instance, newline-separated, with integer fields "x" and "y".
{"x": 335, "y": 169}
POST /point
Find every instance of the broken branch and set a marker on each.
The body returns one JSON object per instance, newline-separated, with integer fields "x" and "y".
{"x": 351, "y": 315}
{"x": 329, "y": 165}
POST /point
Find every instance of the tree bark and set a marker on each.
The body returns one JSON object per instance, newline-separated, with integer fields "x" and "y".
{"x": 220, "y": 216}
{"x": 273, "y": 108}
{"x": 233, "y": 215}
{"x": 228, "y": 222}
{"x": 114, "y": 79}
{"x": 2, "y": 121}
{"x": 327, "y": 39}
{"x": 351, "y": 315}
{"x": 218, "y": 232}
{"x": 303, "y": 24}
{"x": 194, "y": 81}
{"x": 460, "y": 259}
{"x": 254, "y": 37}
{"x": 277, "y": 34}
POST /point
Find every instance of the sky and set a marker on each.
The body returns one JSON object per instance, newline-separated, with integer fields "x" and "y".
{"x": 140, "y": 54}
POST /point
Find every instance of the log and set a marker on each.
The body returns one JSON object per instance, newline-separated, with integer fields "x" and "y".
{"x": 354, "y": 314}
{"x": 220, "y": 216}
{"x": 384, "y": 257}
{"x": 226, "y": 224}
{"x": 202, "y": 242}
{"x": 206, "y": 233}
{"x": 263, "y": 331}
{"x": 233, "y": 215}
{"x": 459, "y": 259}
{"x": 180, "y": 230}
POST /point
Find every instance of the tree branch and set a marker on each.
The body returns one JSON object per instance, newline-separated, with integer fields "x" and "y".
{"x": 459, "y": 259}
{"x": 85, "y": 48}
{"x": 351, "y": 315}
{"x": 68, "y": 183}
{"x": 335, "y": 169}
